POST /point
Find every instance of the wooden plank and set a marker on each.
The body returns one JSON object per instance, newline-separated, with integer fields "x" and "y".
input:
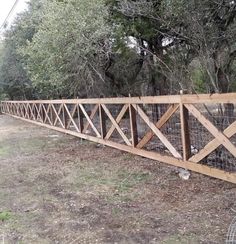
{"x": 185, "y": 136}
{"x": 133, "y": 125}
{"x": 212, "y": 145}
{"x": 212, "y": 129}
{"x": 162, "y": 121}
{"x": 118, "y": 119}
{"x": 206, "y": 170}
{"x": 93, "y": 113}
{"x": 102, "y": 118}
{"x": 192, "y": 99}
{"x": 126, "y": 140}
{"x": 90, "y": 121}
{"x": 157, "y": 132}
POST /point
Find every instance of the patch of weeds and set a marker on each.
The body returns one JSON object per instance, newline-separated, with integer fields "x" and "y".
{"x": 129, "y": 180}
{"x": 4, "y": 216}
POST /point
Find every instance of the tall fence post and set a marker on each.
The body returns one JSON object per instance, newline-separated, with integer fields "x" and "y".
{"x": 184, "y": 117}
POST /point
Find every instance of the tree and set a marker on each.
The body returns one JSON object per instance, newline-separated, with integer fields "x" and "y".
{"x": 14, "y": 79}
{"x": 68, "y": 53}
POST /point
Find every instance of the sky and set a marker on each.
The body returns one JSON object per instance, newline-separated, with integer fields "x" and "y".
{"x": 5, "y": 7}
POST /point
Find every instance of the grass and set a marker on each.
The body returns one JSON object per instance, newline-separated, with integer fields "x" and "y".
{"x": 5, "y": 215}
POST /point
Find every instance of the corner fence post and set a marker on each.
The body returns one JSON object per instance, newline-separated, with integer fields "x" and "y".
{"x": 184, "y": 118}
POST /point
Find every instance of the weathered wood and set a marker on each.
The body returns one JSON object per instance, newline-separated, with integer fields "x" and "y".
{"x": 47, "y": 118}
{"x": 133, "y": 125}
{"x": 102, "y": 118}
{"x": 118, "y": 119}
{"x": 126, "y": 140}
{"x": 93, "y": 113}
{"x": 212, "y": 129}
{"x": 71, "y": 119}
{"x": 45, "y": 113}
{"x": 157, "y": 132}
{"x": 212, "y": 145}
{"x": 90, "y": 121}
{"x": 80, "y": 119}
{"x": 162, "y": 121}
{"x": 192, "y": 99}
{"x": 57, "y": 113}
{"x": 186, "y": 144}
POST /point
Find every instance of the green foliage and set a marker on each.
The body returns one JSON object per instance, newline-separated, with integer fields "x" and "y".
{"x": 65, "y": 53}
{"x": 77, "y": 48}
{"x": 199, "y": 80}
{"x": 4, "y": 216}
{"x": 14, "y": 79}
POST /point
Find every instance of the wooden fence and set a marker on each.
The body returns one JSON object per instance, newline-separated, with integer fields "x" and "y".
{"x": 195, "y": 132}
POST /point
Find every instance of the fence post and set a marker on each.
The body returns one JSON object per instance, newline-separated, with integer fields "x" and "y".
{"x": 80, "y": 119}
{"x": 184, "y": 117}
{"x": 65, "y": 117}
{"x": 102, "y": 118}
{"x": 133, "y": 125}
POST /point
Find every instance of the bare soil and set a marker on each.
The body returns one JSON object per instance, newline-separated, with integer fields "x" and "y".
{"x": 56, "y": 188}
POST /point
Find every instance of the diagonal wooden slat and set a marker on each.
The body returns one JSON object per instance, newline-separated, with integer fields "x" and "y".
{"x": 38, "y": 116}
{"x": 162, "y": 121}
{"x": 71, "y": 117}
{"x": 41, "y": 112}
{"x": 212, "y": 145}
{"x": 211, "y": 128}
{"x": 57, "y": 115}
{"x": 46, "y": 114}
{"x": 31, "y": 107}
{"x": 89, "y": 120}
{"x": 157, "y": 132}
{"x": 116, "y": 125}
{"x": 25, "y": 110}
{"x": 93, "y": 112}
{"x": 118, "y": 119}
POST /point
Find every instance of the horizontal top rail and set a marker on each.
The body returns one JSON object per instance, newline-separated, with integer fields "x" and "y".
{"x": 193, "y": 99}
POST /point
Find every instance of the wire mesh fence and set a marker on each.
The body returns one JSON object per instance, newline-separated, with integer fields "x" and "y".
{"x": 197, "y": 130}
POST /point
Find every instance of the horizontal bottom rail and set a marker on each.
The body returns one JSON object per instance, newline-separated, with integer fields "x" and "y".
{"x": 196, "y": 167}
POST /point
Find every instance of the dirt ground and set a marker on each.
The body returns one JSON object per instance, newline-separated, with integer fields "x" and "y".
{"x": 56, "y": 188}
